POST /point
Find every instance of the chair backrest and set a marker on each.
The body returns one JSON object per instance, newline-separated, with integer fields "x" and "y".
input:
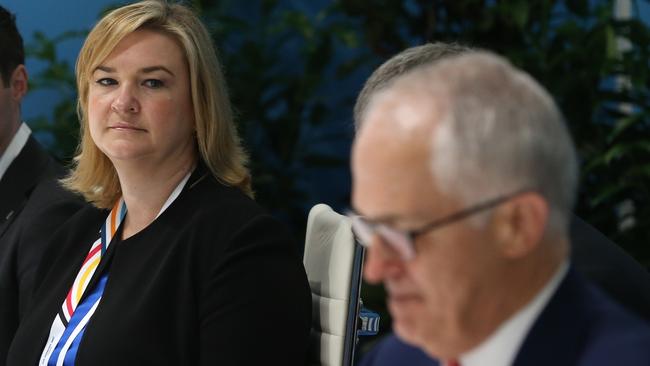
{"x": 333, "y": 263}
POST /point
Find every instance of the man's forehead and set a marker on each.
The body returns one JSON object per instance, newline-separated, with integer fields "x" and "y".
{"x": 400, "y": 113}
{"x": 392, "y": 151}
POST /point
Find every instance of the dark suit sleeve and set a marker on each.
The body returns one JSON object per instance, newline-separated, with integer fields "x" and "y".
{"x": 255, "y": 307}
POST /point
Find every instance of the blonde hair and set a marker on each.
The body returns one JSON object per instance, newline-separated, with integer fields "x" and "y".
{"x": 219, "y": 146}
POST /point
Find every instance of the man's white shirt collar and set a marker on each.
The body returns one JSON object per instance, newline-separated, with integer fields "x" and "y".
{"x": 501, "y": 347}
{"x": 15, "y": 147}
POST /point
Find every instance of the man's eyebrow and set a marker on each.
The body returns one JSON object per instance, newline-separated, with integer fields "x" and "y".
{"x": 144, "y": 70}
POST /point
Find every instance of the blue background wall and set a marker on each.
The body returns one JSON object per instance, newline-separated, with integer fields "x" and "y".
{"x": 52, "y": 18}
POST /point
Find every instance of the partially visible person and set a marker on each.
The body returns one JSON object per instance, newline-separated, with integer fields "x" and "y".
{"x": 174, "y": 264}
{"x": 592, "y": 254}
{"x": 464, "y": 177}
{"x": 32, "y": 203}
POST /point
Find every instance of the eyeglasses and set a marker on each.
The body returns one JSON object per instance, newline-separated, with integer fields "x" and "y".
{"x": 402, "y": 241}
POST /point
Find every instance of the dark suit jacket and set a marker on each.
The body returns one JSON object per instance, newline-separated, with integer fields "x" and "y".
{"x": 580, "y": 326}
{"x": 212, "y": 281}
{"x": 36, "y": 206}
{"x": 30, "y": 167}
{"x": 605, "y": 264}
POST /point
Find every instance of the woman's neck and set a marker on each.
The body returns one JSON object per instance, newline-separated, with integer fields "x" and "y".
{"x": 145, "y": 191}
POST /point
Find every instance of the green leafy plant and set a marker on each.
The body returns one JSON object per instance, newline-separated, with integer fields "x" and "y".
{"x": 57, "y": 75}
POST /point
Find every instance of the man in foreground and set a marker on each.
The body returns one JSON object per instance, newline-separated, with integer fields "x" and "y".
{"x": 596, "y": 257}
{"x": 464, "y": 176}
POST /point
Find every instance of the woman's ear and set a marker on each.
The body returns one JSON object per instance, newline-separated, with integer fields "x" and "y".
{"x": 520, "y": 224}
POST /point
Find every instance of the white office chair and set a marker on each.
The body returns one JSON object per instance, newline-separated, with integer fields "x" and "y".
{"x": 333, "y": 263}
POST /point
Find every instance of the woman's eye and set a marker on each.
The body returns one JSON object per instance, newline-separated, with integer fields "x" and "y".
{"x": 106, "y": 81}
{"x": 153, "y": 83}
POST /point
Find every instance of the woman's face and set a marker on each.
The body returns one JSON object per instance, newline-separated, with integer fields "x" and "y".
{"x": 139, "y": 101}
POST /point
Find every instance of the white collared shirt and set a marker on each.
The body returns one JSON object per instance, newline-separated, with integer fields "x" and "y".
{"x": 501, "y": 347}
{"x": 14, "y": 148}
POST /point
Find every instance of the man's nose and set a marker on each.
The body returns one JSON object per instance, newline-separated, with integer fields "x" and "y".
{"x": 381, "y": 263}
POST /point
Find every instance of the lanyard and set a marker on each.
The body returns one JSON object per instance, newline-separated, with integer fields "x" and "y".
{"x": 61, "y": 334}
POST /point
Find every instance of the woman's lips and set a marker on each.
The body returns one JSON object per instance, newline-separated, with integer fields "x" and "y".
{"x": 125, "y": 127}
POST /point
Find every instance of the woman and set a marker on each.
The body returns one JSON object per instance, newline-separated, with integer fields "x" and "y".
{"x": 175, "y": 265}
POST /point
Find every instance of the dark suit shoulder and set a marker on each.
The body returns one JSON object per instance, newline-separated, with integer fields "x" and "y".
{"x": 50, "y": 200}
{"x": 215, "y": 197}
{"x": 616, "y": 334}
{"x": 391, "y": 351}
{"x": 584, "y": 327}
{"x": 47, "y": 210}
{"x": 212, "y": 208}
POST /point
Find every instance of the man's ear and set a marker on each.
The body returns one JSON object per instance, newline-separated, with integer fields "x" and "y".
{"x": 18, "y": 83}
{"x": 520, "y": 224}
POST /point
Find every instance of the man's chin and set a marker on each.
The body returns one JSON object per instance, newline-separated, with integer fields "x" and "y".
{"x": 407, "y": 331}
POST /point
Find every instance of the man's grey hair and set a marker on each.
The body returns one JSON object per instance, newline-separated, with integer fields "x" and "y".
{"x": 499, "y": 132}
{"x": 399, "y": 65}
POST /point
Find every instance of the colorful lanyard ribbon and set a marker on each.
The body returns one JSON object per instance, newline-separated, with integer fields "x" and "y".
{"x": 71, "y": 319}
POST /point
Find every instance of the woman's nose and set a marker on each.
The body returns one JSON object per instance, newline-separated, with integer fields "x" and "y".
{"x": 126, "y": 101}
